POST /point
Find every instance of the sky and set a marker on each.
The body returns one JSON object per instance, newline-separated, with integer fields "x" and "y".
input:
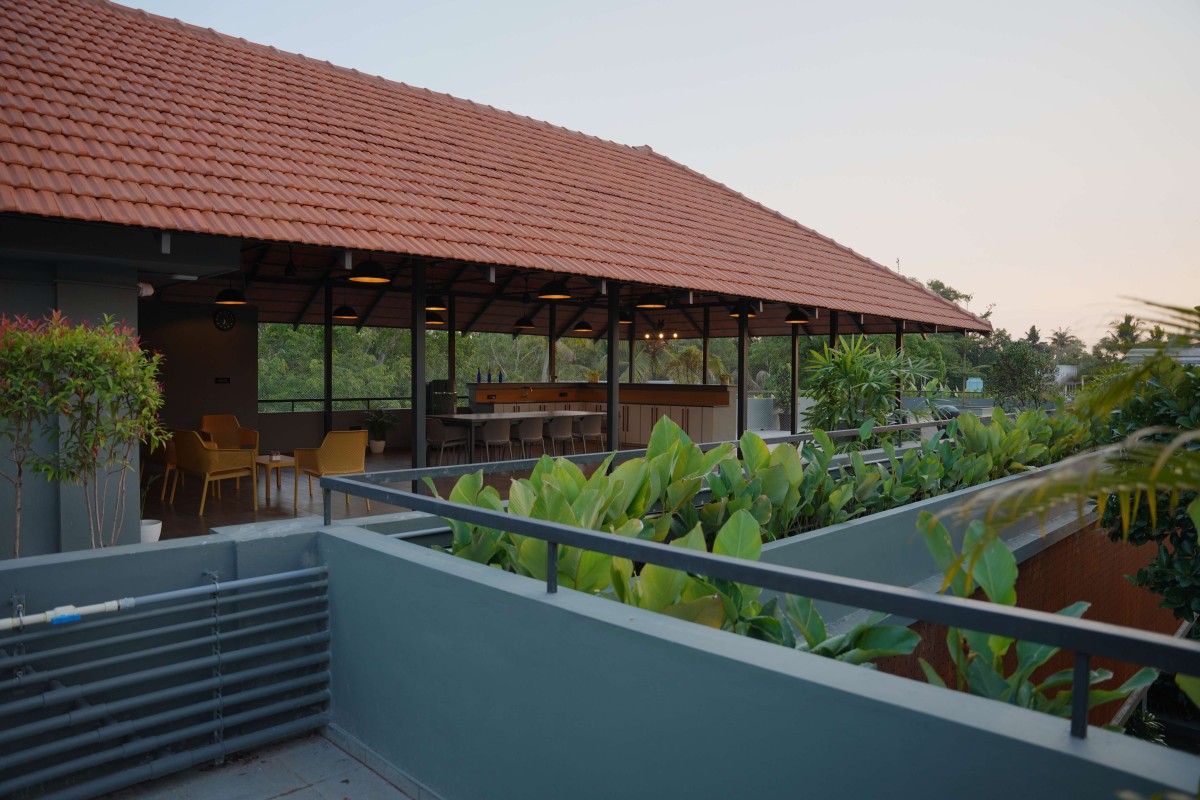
{"x": 1043, "y": 157}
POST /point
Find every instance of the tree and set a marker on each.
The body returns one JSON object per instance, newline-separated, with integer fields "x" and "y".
{"x": 1022, "y": 375}
{"x": 948, "y": 292}
{"x": 1066, "y": 347}
{"x": 1123, "y": 336}
{"x": 1033, "y": 336}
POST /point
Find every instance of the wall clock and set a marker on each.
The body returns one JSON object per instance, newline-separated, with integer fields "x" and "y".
{"x": 224, "y": 319}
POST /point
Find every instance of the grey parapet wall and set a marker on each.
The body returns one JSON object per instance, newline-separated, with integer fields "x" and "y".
{"x": 460, "y": 681}
{"x": 887, "y": 547}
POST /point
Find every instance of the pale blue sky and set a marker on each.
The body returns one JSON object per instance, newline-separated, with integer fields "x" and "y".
{"x": 1044, "y": 156}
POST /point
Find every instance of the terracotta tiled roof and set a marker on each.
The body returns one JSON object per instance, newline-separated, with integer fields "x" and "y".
{"x": 114, "y": 115}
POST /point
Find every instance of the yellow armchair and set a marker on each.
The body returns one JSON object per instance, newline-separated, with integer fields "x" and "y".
{"x": 341, "y": 453}
{"x": 225, "y": 431}
{"x": 205, "y": 460}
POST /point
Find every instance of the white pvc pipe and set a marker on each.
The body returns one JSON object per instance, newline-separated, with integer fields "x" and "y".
{"x": 65, "y": 614}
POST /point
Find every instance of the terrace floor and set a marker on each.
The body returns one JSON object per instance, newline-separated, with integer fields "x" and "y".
{"x": 181, "y": 518}
{"x": 308, "y": 768}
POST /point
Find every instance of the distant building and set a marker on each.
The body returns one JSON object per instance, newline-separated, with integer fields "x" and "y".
{"x": 1188, "y": 356}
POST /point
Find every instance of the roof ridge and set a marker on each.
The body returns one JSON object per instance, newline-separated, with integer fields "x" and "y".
{"x": 649, "y": 151}
{"x": 350, "y": 71}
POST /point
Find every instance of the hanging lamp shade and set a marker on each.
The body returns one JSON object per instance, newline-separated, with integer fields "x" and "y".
{"x": 554, "y": 290}
{"x": 583, "y": 327}
{"x": 525, "y": 323}
{"x": 344, "y": 312}
{"x": 796, "y": 316}
{"x": 436, "y": 303}
{"x": 230, "y": 296}
{"x": 625, "y": 318}
{"x": 369, "y": 272}
{"x": 742, "y": 308}
{"x": 652, "y": 300}
{"x": 434, "y": 318}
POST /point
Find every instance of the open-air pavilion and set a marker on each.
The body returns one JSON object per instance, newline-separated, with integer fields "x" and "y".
{"x": 149, "y": 169}
{"x": 142, "y": 150}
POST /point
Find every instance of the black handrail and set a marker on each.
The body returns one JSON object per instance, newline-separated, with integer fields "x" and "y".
{"x": 1086, "y": 638}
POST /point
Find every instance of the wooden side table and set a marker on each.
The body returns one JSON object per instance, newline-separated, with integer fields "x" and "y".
{"x": 267, "y": 464}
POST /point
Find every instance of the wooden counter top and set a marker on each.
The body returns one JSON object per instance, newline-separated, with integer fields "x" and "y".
{"x": 677, "y": 394}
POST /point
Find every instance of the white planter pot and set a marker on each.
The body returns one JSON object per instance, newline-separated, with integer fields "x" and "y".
{"x": 376, "y": 445}
{"x": 151, "y": 530}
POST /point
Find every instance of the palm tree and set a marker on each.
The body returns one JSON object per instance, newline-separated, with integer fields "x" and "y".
{"x": 1134, "y": 469}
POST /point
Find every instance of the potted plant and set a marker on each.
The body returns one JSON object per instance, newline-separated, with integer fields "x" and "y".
{"x": 725, "y": 378}
{"x": 378, "y": 422}
{"x": 151, "y": 529}
{"x": 593, "y": 376}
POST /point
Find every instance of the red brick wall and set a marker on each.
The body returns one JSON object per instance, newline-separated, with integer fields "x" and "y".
{"x": 1085, "y": 566}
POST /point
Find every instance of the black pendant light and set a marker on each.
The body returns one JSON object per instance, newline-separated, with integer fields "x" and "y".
{"x": 583, "y": 327}
{"x": 344, "y": 312}
{"x": 555, "y": 290}
{"x": 652, "y": 300}
{"x": 743, "y": 308}
{"x": 525, "y": 323}
{"x": 436, "y": 303}
{"x": 434, "y": 318}
{"x": 796, "y": 316}
{"x": 369, "y": 272}
{"x": 625, "y": 318}
{"x": 230, "y": 296}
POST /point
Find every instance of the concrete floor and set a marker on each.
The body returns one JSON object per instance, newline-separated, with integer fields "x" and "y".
{"x": 307, "y": 768}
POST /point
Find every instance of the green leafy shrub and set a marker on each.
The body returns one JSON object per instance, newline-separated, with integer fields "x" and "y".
{"x": 654, "y": 498}
{"x": 979, "y": 659}
{"x": 856, "y": 383}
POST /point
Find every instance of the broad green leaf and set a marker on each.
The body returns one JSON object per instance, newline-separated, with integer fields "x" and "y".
{"x": 931, "y": 675}
{"x": 705, "y": 611}
{"x": 467, "y": 488}
{"x": 803, "y": 615}
{"x": 620, "y": 573}
{"x": 531, "y": 557}
{"x": 694, "y": 540}
{"x": 594, "y": 573}
{"x": 864, "y": 430}
{"x": 740, "y": 537}
{"x": 787, "y": 457}
{"x": 1190, "y": 685}
{"x": 659, "y": 587}
{"x": 754, "y": 452}
{"x": 521, "y": 497}
{"x": 663, "y": 437}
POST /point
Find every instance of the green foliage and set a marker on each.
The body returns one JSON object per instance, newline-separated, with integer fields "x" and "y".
{"x": 654, "y": 498}
{"x": 378, "y": 422}
{"x": 857, "y": 383}
{"x": 1022, "y": 375}
{"x": 98, "y": 382}
{"x": 26, "y": 403}
{"x": 979, "y": 660}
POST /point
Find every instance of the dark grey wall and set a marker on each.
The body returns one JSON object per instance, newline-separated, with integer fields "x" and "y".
{"x": 53, "y": 517}
{"x": 205, "y": 370}
{"x": 464, "y": 682}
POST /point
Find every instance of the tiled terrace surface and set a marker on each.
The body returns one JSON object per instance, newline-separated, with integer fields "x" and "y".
{"x": 308, "y": 768}
{"x": 118, "y": 116}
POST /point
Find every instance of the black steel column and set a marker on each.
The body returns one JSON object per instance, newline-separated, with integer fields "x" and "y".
{"x": 328, "y": 354}
{"x": 795, "y": 377}
{"x": 552, "y": 340}
{"x": 614, "y": 367}
{"x": 899, "y": 349}
{"x": 743, "y": 350}
{"x": 704, "y": 361}
{"x": 632, "y": 337}
{"x": 419, "y": 406}
{"x": 452, "y": 349}
{"x": 833, "y": 328}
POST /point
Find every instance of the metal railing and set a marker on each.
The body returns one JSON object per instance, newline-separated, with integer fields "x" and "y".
{"x": 159, "y": 683}
{"x": 1086, "y": 638}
